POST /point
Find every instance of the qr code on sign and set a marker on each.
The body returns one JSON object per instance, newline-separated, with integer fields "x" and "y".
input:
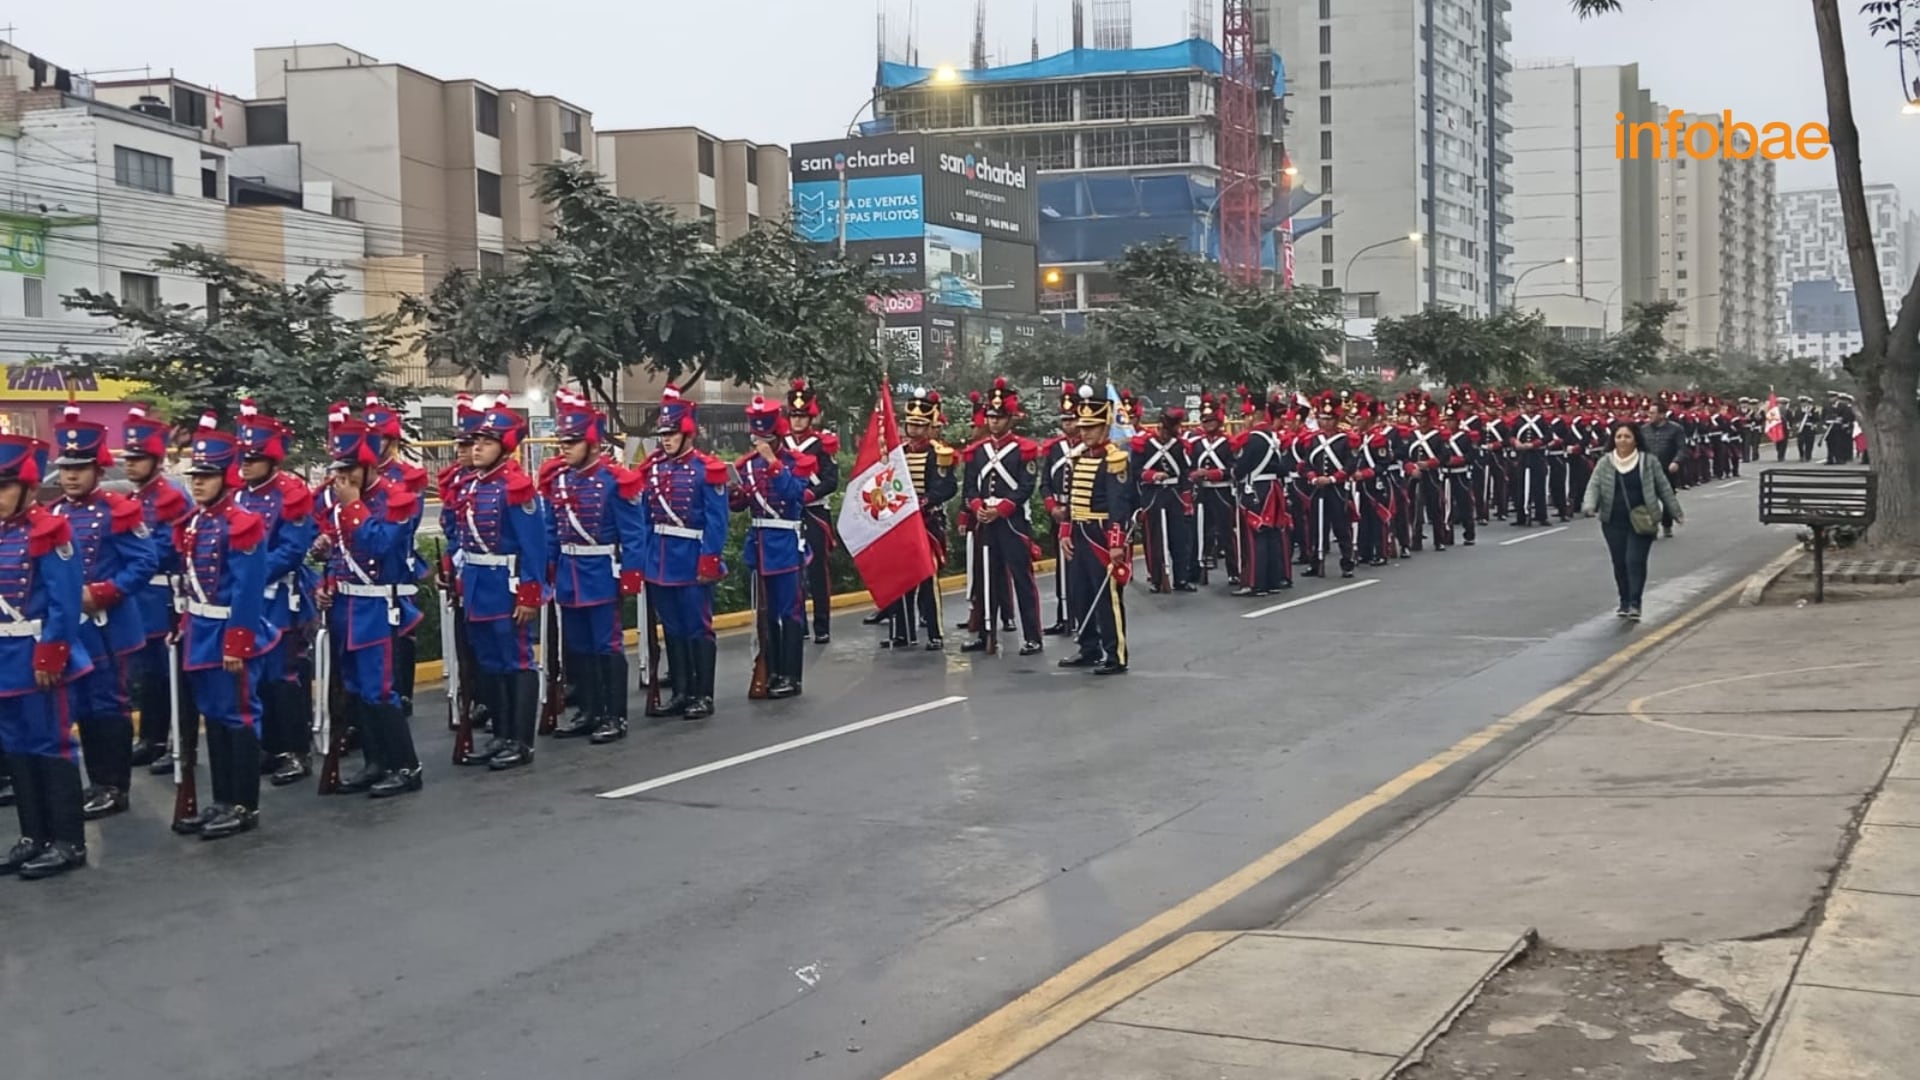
{"x": 908, "y": 354}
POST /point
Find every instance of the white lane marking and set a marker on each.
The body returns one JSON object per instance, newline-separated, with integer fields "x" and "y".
{"x": 1311, "y": 599}
{"x": 1730, "y": 483}
{"x": 1534, "y": 536}
{"x": 779, "y": 748}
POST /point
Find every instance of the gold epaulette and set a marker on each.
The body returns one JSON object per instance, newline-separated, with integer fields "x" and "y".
{"x": 944, "y": 454}
{"x": 1117, "y": 460}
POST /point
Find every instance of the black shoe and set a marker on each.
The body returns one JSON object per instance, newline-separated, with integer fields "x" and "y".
{"x": 822, "y": 638}
{"x": 162, "y": 765}
{"x": 397, "y": 782}
{"x": 232, "y": 822}
{"x": 191, "y": 826}
{"x": 293, "y": 769}
{"x": 896, "y": 643}
{"x": 579, "y": 727}
{"x": 611, "y": 729}
{"x": 978, "y": 644}
{"x": 1008, "y": 626}
{"x": 23, "y": 852}
{"x": 361, "y": 781}
{"x": 874, "y": 619}
{"x": 781, "y": 687}
{"x": 1346, "y": 571}
{"x": 935, "y": 643}
{"x": 1466, "y": 543}
{"x": 1667, "y": 533}
{"x": 1056, "y": 629}
{"x": 1246, "y": 590}
{"x": 1186, "y": 586}
{"x": 1082, "y": 660}
{"x": 1028, "y": 648}
{"x": 270, "y": 764}
{"x": 146, "y": 753}
{"x": 700, "y": 708}
{"x": 58, "y": 858}
{"x": 672, "y": 707}
{"x": 515, "y": 755}
{"x": 1633, "y": 614}
{"x": 1110, "y": 667}
{"x": 104, "y": 802}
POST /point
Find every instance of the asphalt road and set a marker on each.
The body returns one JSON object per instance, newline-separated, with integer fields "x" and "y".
{"x": 828, "y": 911}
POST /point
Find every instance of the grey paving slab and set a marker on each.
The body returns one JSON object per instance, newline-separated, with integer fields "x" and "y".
{"x": 1866, "y": 941}
{"x": 1600, "y": 873}
{"x": 1907, "y": 765}
{"x": 1829, "y": 1034}
{"x": 1886, "y": 859}
{"x": 1106, "y": 1051}
{"x": 1897, "y": 804}
{"x": 1378, "y": 999}
{"x": 1773, "y": 754}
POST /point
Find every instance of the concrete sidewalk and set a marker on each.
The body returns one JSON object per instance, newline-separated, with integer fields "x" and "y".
{"x": 1670, "y": 839}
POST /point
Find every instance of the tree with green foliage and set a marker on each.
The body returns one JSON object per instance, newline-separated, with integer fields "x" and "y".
{"x": 1457, "y": 349}
{"x": 1887, "y": 367}
{"x": 280, "y": 343}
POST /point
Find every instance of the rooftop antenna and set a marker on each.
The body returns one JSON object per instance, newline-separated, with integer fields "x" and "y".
{"x": 1036, "y": 31}
{"x": 979, "y": 35}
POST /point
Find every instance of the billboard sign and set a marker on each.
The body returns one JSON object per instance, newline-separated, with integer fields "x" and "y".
{"x": 970, "y": 189}
{"x": 899, "y": 155}
{"x": 878, "y": 208}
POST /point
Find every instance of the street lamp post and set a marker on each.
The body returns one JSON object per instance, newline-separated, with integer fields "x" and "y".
{"x": 1346, "y": 283}
{"x": 1513, "y": 302}
{"x": 944, "y": 75}
{"x": 1606, "y": 311}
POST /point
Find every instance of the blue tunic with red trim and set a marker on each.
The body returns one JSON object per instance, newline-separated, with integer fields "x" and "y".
{"x": 774, "y": 495}
{"x": 503, "y": 544}
{"x": 39, "y": 602}
{"x": 586, "y": 517}
{"x": 368, "y": 565}
{"x": 225, "y": 551}
{"x": 118, "y": 558}
{"x": 286, "y": 506}
{"x": 681, "y": 529}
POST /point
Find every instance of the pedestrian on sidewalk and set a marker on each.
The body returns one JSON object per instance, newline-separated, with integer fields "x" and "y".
{"x": 1629, "y": 492}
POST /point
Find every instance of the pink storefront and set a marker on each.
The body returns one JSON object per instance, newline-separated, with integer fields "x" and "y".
{"x": 34, "y": 398}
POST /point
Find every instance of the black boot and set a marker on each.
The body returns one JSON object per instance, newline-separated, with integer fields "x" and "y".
{"x": 403, "y": 773}
{"x": 705, "y": 652}
{"x": 146, "y": 753}
{"x": 794, "y": 643}
{"x": 679, "y": 667}
{"x": 584, "y": 669}
{"x": 488, "y": 692}
{"x": 30, "y": 807}
{"x": 60, "y": 797}
{"x": 375, "y": 765}
{"x": 521, "y": 721}
{"x": 611, "y": 670}
{"x": 775, "y": 658}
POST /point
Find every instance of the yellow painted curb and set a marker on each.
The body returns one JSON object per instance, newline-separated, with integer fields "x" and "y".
{"x": 428, "y": 672}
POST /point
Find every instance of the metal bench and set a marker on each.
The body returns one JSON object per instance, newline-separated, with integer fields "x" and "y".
{"x": 1819, "y": 499}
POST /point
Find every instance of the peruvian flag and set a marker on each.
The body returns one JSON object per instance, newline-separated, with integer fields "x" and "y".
{"x": 1859, "y": 438}
{"x": 880, "y": 514}
{"x": 1776, "y": 424}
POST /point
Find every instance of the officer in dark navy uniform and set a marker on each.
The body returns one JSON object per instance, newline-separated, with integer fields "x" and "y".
{"x": 226, "y": 632}
{"x": 286, "y": 505}
{"x": 118, "y": 558}
{"x": 163, "y": 504}
{"x": 998, "y": 478}
{"x": 930, "y": 463}
{"x": 42, "y": 657}
{"x": 368, "y": 524}
{"x": 803, "y": 412}
{"x": 588, "y": 499}
{"x": 773, "y": 487}
{"x": 1100, "y": 504}
{"x": 675, "y": 545}
{"x": 1055, "y": 457}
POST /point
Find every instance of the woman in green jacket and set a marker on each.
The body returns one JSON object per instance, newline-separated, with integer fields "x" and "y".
{"x": 1627, "y": 491}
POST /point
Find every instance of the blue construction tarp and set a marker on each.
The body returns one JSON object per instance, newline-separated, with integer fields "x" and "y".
{"x": 1179, "y": 56}
{"x": 1096, "y": 218}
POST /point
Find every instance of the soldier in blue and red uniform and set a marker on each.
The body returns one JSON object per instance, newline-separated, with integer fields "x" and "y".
{"x": 773, "y": 490}
{"x": 451, "y": 485}
{"x": 803, "y": 411}
{"x": 676, "y": 544}
{"x": 1261, "y": 465}
{"x": 1056, "y": 459}
{"x": 368, "y": 524}
{"x": 42, "y": 658}
{"x": 226, "y": 632}
{"x": 998, "y": 475}
{"x": 286, "y": 505}
{"x": 118, "y": 558}
{"x": 1163, "y": 464}
{"x": 163, "y": 505}
{"x": 411, "y": 478}
{"x": 588, "y": 501}
{"x": 503, "y": 566}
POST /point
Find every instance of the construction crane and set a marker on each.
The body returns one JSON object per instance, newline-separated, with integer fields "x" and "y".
{"x": 1237, "y": 199}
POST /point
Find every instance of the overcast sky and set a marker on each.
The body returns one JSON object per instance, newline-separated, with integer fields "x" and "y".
{"x": 792, "y": 70}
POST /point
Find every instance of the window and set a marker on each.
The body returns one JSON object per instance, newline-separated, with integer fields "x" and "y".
{"x": 488, "y": 190}
{"x": 1326, "y": 144}
{"x": 1326, "y": 249}
{"x": 1326, "y": 207}
{"x": 1326, "y": 74}
{"x": 213, "y": 303}
{"x": 753, "y": 222}
{"x": 1326, "y": 279}
{"x": 1679, "y": 200}
{"x": 1157, "y": 97}
{"x": 142, "y": 171}
{"x": 486, "y": 112}
{"x": 1326, "y": 178}
{"x": 266, "y": 125}
{"x": 492, "y": 262}
{"x": 209, "y": 183}
{"x": 33, "y": 293}
{"x": 345, "y": 208}
{"x": 140, "y": 290}
{"x": 1368, "y": 305}
{"x": 1681, "y": 274}
{"x": 570, "y": 130}
{"x": 1326, "y": 110}
{"x": 753, "y": 165}
{"x": 189, "y": 107}
{"x": 706, "y": 156}
{"x": 710, "y": 224}
{"x": 1119, "y": 147}
{"x": 1326, "y": 40}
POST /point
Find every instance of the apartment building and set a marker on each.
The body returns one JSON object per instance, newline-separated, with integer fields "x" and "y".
{"x": 1813, "y": 262}
{"x": 1717, "y": 249}
{"x": 1576, "y": 197}
{"x": 730, "y": 185}
{"x": 1401, "y": 121}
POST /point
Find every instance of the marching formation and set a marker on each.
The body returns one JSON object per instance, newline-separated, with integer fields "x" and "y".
{"x": 282, "y": 619}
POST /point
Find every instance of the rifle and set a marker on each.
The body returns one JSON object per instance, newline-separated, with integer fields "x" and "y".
{"x": 332, "y": 740}
{"x": 186, "y": 741}
{"x": 553, "y": 682}
{"x": 1201, "y": 538}
{"x": 450, "y": 658}
{"x": 989, "y": 618}
{"x": 646, "y": 649}
{"x": 757, "y": 686}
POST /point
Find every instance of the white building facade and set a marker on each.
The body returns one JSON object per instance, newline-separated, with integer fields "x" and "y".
{"x": 1813, "y": 250}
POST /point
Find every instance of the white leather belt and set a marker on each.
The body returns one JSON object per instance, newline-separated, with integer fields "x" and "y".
{"x": 588, "y": 551}
{"x": 680, "y": 532}
{"x": 29, "y": 628}
{"x": 774, "y": 523}
{"x": 209, "y": 611}
{"x": 161, "y": 581}
{"x": 382, "y": 592}
{"x": 1261, "y": 478}
{"x": 1169, "y": 481}
{"x": 474, "y": 558}
{"x": 1458, "y": 471}
{"x": 1216, "y": 484}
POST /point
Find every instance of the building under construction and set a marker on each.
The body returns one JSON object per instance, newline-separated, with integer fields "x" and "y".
{"x": 1183, "y": 141}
